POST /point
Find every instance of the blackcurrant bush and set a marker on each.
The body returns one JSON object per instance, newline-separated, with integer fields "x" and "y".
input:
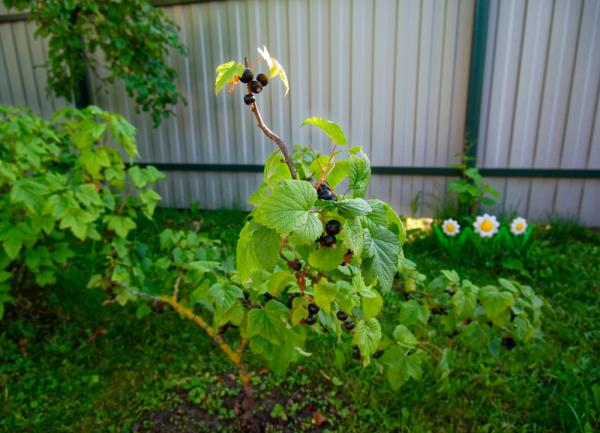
{"x": 311, "y": 319}
{"x": 247, "y": 76}
{"x": 378, "y": 354}
{"x": 333, "y": 227}
{"x": 349, "y": 324}
{"x": 342, "y": 316}
{"x": 327, "y": 240}
{"x": 313, "y": 309}
{"x": 355, "y": 352}
{"x": 249, "y": 99}
{"x": 256, "y": 87}
{"x": 262, "y": 79}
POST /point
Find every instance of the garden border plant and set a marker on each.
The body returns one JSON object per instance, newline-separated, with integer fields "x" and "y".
{"x": 313, "y": 261}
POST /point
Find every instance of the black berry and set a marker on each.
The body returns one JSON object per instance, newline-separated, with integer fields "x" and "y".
{"x": 262, "y": 79}
{"x": 326, "y": 194}
{"x": 349, "y": 324}
{"x": 355, "y": 352}
{"x": 438, "y": 310}
{"x": 333, "y": 227}
{"x": 313, "y": 309}
{"x": 341, "y": 315}
{"x": 327, "y": 241}
{"x": 378, "y": 354}
{"x": 247, "y": 76}
{"x": 295, "y": 264}
{"x": 256, "y": 87}
{"x": 311, "y": 319}
{"x": 508, "y": 342}
{"x": 249, "y": 99}
{"x": 290, "y": 299}
{"x": 323, "y": 186}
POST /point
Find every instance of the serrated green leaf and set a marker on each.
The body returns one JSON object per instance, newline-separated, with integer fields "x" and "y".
{"x": 465, "y": 302}
{"x": 224, "y": 296}
{"x": 28, "y": 191}
{"x": 287, "y": 210}
{"x": 120, "y": 225}
{"x": 325, "y": 294}
{"x": 360, "y": 174}
{"x": 383, "y": 249}
{"x": 331, "y": 129}
{"x": 412, "y": 312}
{"x": 275, "y": 68}
{"x": 257, "y": 248}
{"x": 268, "y": 322}
{"x": 226, "y": 73}
{"x": 367, "y": 336}
{"x": 402, "y": 367}
{"x": 276, "y": 169}
{"x": 352, "y": 236}
{"x": 326, "y": 258}
{"x": 372, "y": 306}
{"x": 494, "y": 301}
{"x": 354, "y": 207}
{"x": 278, "y": 281}
{"x": 405, "y": 338}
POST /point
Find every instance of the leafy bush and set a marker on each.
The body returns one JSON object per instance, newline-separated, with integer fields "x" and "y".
{"x": 133, "y": 36}
{"x": 471, "y": 190}
{"x": 64, "y": 181}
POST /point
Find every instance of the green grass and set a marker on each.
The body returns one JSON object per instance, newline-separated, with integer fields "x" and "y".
{"x": 54, "y": 379}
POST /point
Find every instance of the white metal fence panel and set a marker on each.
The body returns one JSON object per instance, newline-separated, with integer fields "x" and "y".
{"x": 540, "y": 102}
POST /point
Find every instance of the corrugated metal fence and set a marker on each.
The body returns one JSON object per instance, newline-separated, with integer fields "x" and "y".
{"x": 394, "y": 74}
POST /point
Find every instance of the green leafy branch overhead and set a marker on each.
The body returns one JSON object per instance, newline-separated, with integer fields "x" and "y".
{"x": 133, "y": 36}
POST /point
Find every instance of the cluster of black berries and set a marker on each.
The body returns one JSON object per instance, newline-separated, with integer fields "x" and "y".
{"x": 356, "y": 353}
{"x": 254, "y": 86}
{"x": 324, "y": 192}
{"x": 343, "y": 317}
{"x": 313, "y": 310}
{"x": 332, "y": 228}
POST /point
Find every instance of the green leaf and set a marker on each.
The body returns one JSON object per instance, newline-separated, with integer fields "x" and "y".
{"x": 476, "y": 336}
{"x": 30, "y": 192}
{"x": 226, "y": 73}
{"x": 77, "y": 220}
{"x": 278, "y": 281}
{"x": 94, "y": 160}
{"x": 120, "y": 225}
{"x": 412, "y": 312}
{"x": 325, "y": 294}
{"x": 287, "y": 210}
{"x": 402, "y": 367}
{"x": 372, "y": 306}
{"x": 275, "y": 68}
{"x": 257, "y": 248}
{"x": 354, "y": 207}
{"x": 465, "y": 302}
{"x": 326, "y": 258}
{"x": 367, "y": 336}
{"x": 352, "y": 236}
{"x": 276, "y": 169}
{"x": 360, "y": 174}
{"x": 452, "y": 276}
{"x": 333, "y": 130}
{"x": 494, "y": 301}
{"x": 224, "y": 296}
{"x": 405, "y": 338}
{"x": 142, "y": 311}
{"x": 268, "y": 322}
{"x": 383, "y": 248}
{"x": 14, "y": 237}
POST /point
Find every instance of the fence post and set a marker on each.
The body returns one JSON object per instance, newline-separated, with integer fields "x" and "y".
{"x": 476, "y": 69}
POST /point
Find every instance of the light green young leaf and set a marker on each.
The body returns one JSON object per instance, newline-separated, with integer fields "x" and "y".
{"x": 326, "y": 258}
{"x": 325, "y": 294}
{"x": 465, "y": 302}
{"x": 120, "y": 225}
{"x": 354, "y": 207}
{"x": 287, "y": 210}
{"x": 331, "y": 129}
{"x": 226, "y": 73}
{"x": 402, "y": 367}
{"x": 276, "y": 169}
{"x": 257, "y": 248}
{"x": 224, "y": 296}
{"x": 383, "y": 249}
{"x": 372, "y": 306}
{"x": 404, "y": 337}
{"x": 367, "y": 336}
{"x": 360, "y": 174}
{"x": 412, "y": 312}
{"x": 275, "y": 68}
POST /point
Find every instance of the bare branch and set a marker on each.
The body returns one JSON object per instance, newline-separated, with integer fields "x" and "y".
{"x": 275, "y": 138}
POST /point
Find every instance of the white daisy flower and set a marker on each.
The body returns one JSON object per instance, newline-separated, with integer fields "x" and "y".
{"x": 486, "y": 225}
{"x": 518, "y": 226}
{"x": 451, "y": 227}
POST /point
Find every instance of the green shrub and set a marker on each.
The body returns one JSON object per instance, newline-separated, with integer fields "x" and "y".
{"x": 64, "y": 181}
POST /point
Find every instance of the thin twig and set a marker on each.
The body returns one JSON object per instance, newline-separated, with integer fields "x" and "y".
{"x": 275, "y": 138}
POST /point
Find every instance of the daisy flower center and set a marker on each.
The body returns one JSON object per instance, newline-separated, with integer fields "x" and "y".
{"x": 519, "y": 226}
{"x": 487, "y": 226}
{"x": 450, "y": 228}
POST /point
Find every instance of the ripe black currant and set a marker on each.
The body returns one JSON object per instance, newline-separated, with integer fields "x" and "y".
{"x": 262, "y": 79}
{"x": 295, "y": 264}
{"x": 342, "y": 316}
{"x": 313, "y": 309}
{"x": 378, "y": 354}
{"x": 249, "y": 99}
{"x": 327, "y": 240}
{"x": 326, "y": 194}
{"x": 247, "y": 76}
{"x": 349, "y": 324}
{"x": 508, "y": 342}
{"x": 439, "y": 311}
{"x": 333, "y": 227}
{"x": 256, "y": 87}
{"x": 323, "y": 186}
{"x": 311, "y": 319}
{"x": 355, "y": 352}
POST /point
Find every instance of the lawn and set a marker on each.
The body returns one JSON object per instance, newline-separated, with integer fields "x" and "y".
{"x": 67, "y": 364}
